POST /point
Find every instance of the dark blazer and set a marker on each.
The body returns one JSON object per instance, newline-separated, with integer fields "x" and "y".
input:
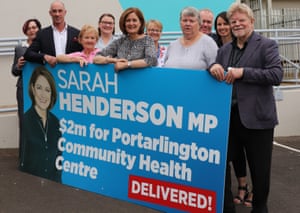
{"x": 19, "y": 51}
{"x": 40, "y": 145}
{"x": 44, "y": 44}
{"x": 262, "y": 70}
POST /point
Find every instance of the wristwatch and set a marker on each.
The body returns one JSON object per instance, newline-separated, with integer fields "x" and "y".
{"x": 129, "y": 64}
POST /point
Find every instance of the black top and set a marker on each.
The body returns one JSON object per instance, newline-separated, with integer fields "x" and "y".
{"x": 235, "y": 57}
{"x": 40, "y": 145}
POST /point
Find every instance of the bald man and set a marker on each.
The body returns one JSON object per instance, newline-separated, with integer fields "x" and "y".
{"x": 59, "y": 38}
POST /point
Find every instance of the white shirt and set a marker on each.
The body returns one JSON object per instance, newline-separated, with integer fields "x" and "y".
{"x": 60, "y": 40}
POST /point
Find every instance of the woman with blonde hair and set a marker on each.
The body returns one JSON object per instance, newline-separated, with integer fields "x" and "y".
{"x": 154, "y": 30}
{"x": 88, "y": 38}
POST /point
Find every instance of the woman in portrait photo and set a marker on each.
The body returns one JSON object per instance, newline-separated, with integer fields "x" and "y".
{"x": 41, "y": 128}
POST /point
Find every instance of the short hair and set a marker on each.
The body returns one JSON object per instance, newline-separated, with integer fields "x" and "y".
{"x": 190, "y": 11}
{"x": 155, "y": 22}
{"x": 27, "y": 22}
{"x": 206, "y": 10}
{"x": 100, "y": 19}
{"x": 240, "y": 7}
{"x": 57, "y": 2}
{"x": 87, "y": 29}
{"x": 124, "y": 15}
{"x": 42, "y": 71}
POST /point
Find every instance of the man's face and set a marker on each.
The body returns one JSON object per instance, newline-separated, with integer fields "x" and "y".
{"x": 207, "y": 20}
{"x": 57, "y": 13}
{"x": 241, "y": 25}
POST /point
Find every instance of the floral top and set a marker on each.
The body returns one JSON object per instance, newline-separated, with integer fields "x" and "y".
{"x": 161, "y": 54}
{"x": 124, "y": 47}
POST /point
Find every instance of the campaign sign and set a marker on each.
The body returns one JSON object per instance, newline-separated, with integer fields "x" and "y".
{"x": 155, "y": 136}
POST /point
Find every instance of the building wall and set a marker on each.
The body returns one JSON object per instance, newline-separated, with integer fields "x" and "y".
{"x": 288, "y": 110}
{"x": 15, "y": 12}
{"x": 8, "y": 82}
{"x": 278, "y": 4}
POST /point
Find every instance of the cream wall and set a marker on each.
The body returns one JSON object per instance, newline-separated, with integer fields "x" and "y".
{"x": 8, "y": 82}
{"x": 79, "y": 12}
{"x": 288, "y": 113}
{"x": 278, "y": 4}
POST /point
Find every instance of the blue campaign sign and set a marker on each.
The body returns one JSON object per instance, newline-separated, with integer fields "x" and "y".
{"x": 156, "y": 136}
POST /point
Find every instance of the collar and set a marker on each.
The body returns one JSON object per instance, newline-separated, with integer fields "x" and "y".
{"x": 55, "y": 29}
{"x": 234, "y": 42}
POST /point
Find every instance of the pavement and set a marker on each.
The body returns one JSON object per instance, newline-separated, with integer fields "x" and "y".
{"x": 22, "y": 192}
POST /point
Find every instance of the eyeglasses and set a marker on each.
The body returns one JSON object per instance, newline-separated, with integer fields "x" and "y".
{"x": 153, "y": 31}
{"x": 107, "y": 22}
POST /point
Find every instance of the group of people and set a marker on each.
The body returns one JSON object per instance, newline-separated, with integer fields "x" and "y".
{"x": 235, "y": 54}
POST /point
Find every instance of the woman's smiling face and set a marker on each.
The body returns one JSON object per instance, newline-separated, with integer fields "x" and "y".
{"x": 42, "y": 93}
{"x": 223, "y": 28}
{"x": 132, "y": 24}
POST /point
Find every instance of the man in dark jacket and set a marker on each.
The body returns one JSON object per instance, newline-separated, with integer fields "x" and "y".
{"x": 253, "y": 67}
{"x": 59, "y": 38}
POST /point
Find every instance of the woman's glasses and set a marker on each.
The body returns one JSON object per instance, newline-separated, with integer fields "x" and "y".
{"x": 154, "y": 31}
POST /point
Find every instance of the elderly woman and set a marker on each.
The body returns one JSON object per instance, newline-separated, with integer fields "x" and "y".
{"x": 88, "y": 38}
{"x": 194, "y": 50}
{"x": 132, "y": 50}
{"x": 154, "y": 30}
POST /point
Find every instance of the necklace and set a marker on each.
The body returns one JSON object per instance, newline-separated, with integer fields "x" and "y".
{"x": 45, "y": 130}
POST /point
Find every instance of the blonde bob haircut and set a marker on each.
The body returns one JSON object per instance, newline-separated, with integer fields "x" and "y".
{"x": 155, "y": 22}
{"x": 88, "y": 29}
